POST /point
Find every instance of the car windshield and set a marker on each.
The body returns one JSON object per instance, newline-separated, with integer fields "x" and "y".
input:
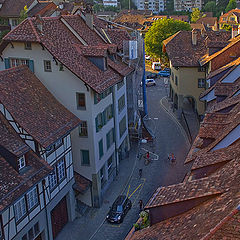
{"x": 119, "y": 208}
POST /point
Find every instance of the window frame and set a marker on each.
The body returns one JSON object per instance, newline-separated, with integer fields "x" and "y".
{"x": 54, "y": 147}
{"x": 64, "y": 168}
{"x": 201, "y": 82}
{"x": 15, "y": 62}
{"x": 79, "y": 107}
{"x": 82, "y": 158}
{"x": 19, "y": 162}
{"x": 50, "y": 175}
{"x": 37, "y": 197}
{"x": 121, "y": 103}
{"x": 15, "y": 211}
{"x": 46, "y": 66}
{"x": 83, "y": 129}
{"x": 120, "y": 122}
{"x": 27, "y": 45}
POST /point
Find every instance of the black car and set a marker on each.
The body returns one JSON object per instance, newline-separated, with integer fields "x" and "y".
{"x": 152, "y": 75}
{"x": 119, "y": 209}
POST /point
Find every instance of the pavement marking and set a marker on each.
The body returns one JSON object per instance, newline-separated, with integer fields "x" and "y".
{"x": 154, "y": 154}
{"x": 175, "y": 120}
{"x": 155, "y": 118}
{"x": 135, "y": 190}
{"x": 139, "y": 192}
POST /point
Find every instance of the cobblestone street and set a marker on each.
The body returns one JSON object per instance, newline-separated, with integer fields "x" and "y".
{"x": 170, "y": 138}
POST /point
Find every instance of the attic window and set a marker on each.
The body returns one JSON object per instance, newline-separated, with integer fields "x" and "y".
{"x": 100, "y": 62}
{"x": 21, "y": 162}
{"x": 27, "y": 46}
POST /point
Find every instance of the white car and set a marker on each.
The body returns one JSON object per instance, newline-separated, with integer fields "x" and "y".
{"x": 149, "y": 82}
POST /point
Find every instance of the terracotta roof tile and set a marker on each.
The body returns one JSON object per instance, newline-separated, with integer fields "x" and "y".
{"x": 10, "y": 139}
{"x": 33, "y": 107}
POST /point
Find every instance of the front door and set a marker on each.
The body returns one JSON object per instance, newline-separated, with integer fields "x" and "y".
{"x": 59, "y": 217}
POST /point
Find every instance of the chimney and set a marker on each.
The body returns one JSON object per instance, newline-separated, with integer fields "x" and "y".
{"x": 89, "y": 16}
{"x": 39, "y": 23}
{"x": 234, "y": 31}
{"x": 194, "y": 37}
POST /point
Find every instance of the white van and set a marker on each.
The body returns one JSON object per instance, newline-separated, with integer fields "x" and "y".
{"x": 156, "y": 66}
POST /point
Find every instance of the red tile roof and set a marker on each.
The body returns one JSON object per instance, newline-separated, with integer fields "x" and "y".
{"x": 190, "y": 54}
{"x": 33, "y": 107}
{"x": 207, "y": 20}
{"x": 58, "y": 39}
{"x": 81, "y": 184}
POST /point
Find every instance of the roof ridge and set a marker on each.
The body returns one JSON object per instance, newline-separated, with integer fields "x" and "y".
{"x": 34, "y": 30}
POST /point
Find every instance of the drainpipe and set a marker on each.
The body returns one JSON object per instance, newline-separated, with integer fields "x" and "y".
{"x": 144, "y": 83}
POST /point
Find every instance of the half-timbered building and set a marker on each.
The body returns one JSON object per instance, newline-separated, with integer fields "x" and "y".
{"x": 42, "y": 128}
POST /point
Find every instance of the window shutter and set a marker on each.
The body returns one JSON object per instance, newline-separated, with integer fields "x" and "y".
{"x": 104, "y": 117}
{"x": 7, "y": 63}
{"x": 31, "y": 65}
{"x": 112, "y": 109}
{"x": 96, "y": 122}
{"x": 95, "y": 98}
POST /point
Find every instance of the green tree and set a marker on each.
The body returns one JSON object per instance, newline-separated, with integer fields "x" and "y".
{"x": 159, "y": 31}
{"x": 232, "y": 4}
{"x": 196, "y": 14}
{"x": 23, "y": 14}
{"x": 210, "y": 7}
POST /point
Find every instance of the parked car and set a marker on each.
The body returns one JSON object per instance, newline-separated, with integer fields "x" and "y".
{"x": 152, "y": 75}
{"x": 119, "y": 209}
{"x": 164, "y": 73}
{"x": 149, "y": 82}
{"x": 167, "y": 69}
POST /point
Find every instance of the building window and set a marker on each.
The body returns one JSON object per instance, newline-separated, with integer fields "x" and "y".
{"x": 110, "y": 138}
{"x": 52, "y": 178}
{"x": 15, "y": 22}
{"x": 58, "y": 174}
{"x": 81, "y": 102}
{"x": 100, "y": 121}
{"x": 30, "y": 233}
{"x": 110, "y": 165}
{"x": 47, "y": 66}
{"x": 176, "y": 80}
{"x": 36, "y": 228}
{"x": 122, "y": 126}
{"x": 14, "y": 62}
{"x": 28, "y": 46}
{"x": 83, "y": 132}
{"x": 54, "y": 147}
{"x": 120, "y": 84}
{"x": 201, "y": 69}
{"x": 85, "y": 158}
{"x": 109, "y": 112}
{"x": 32, "y": 198}
{"x": 99, "y": 97}
{"x": 121, "y": 103}
{"x": 61, "y": 170}
{"x": 61, "y": 67}
{"x": 100, "y": 148}
{"x": 21, "y": 162}
{"x": 102, "y": 176}
{"x": 201, "y": 83}
{"x": 20, "y": 208}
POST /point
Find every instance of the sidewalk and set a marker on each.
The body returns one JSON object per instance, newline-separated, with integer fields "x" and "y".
{"x": 88, "y": 224}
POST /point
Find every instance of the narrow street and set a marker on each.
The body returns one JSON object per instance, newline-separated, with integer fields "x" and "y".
{"x": 169, "y": 139}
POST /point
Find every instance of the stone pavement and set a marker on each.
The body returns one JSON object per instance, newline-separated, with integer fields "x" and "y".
{"x": 170, "y": 137}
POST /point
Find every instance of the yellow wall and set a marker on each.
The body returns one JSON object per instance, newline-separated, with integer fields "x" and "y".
{"x": 188, "y": 85}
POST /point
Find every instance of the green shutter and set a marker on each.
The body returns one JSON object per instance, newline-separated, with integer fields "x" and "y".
{"x": 31, "y": 65}
{"x": 7, "y": 63}
{"x": 100, "y": 145}
{"x": 95, "y": 98}
{"x": 108, "y": 140}
{"x": 96, "y": 122}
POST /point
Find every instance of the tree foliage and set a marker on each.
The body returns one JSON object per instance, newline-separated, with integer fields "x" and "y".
{"x": 161, "y": 30}
{"x": 210, "y": 7}
{"x": 23, "y": 14}
{"x": 232, "y": 4}
{"x": 196, "y": 14}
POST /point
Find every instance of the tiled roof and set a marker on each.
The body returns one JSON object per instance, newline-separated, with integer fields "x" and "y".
{"x": 60, "y": 42}
{"x": 10, "y": 139}
{"x": 44, "y": 9}
{"x": 190, "y": 54}
{"x": 120, "y": 67}
{"x": 206, "y": 58}
{"x": 13, "y": 185}
{"x": 12, "y": 8}
{"x": 81, "y": 184}
{"x": 33, "y": 107}
{"x": 235, "y": 11}
{"x": 184, "y": 191}
{"x": 207, "y": 20}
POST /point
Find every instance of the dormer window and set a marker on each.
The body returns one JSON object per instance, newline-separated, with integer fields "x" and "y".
{"x": 28, "y": 46}
{"x": 112, "y": 57}
{"x": 21, "y": 162}
{"x": 100, "y": 62}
